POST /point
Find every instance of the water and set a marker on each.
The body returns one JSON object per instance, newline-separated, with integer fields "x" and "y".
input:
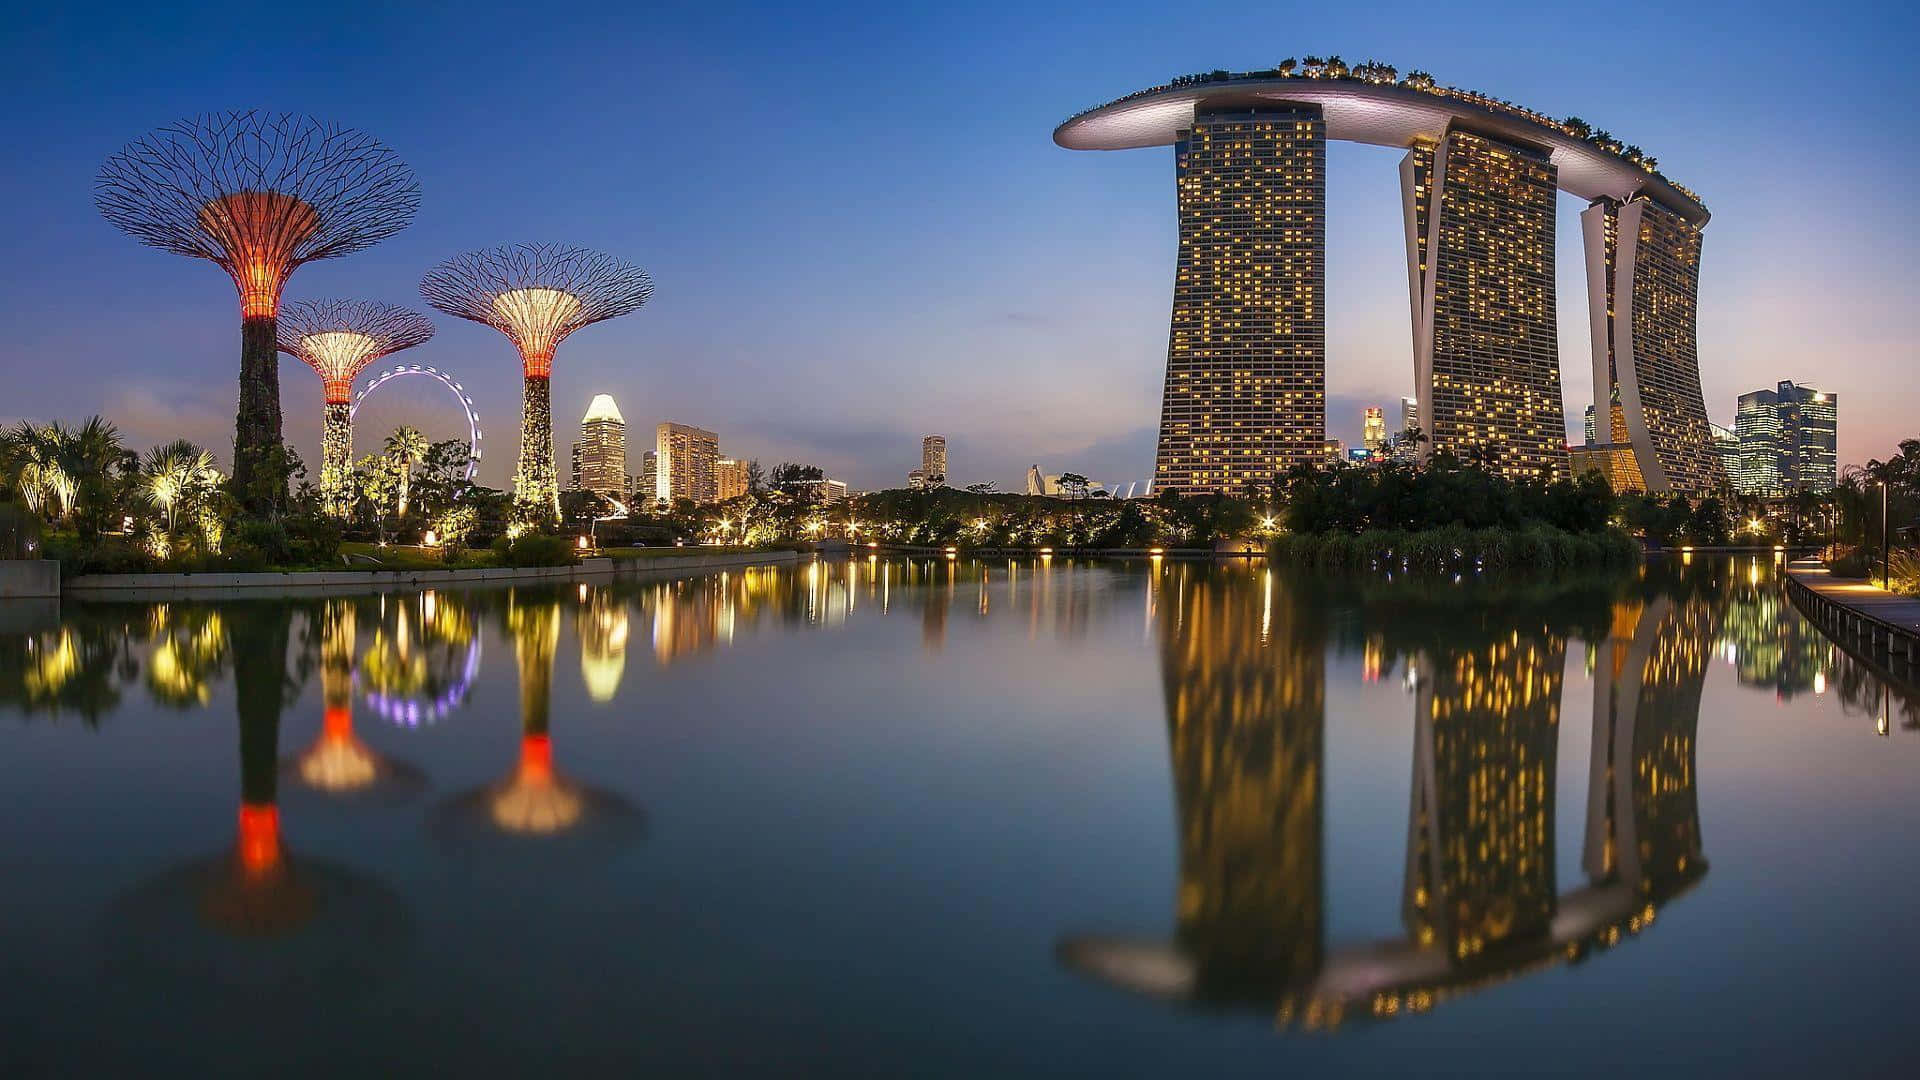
{"x": 930, "y": 818}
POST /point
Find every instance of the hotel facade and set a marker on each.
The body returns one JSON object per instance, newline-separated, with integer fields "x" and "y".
{"x": 1245, "y": 391}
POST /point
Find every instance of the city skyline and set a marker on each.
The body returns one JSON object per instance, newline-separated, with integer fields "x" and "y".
{"x": 1065, "y": 298}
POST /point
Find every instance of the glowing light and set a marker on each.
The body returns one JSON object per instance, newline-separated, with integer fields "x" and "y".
{"x": 538, "y": 319}
{"x": 1819, "y": 682}
{"x": 259, "y": 231}
{"x": 429, "y": 540}
{"x": 535, "y": 800}
{"x": 259, "y": 840}
{"x": 581, "y": 544}
{"x": 339, "y": 356}
{"x": 1046, "y": 551}
{"x": 1156, "y": 552}
{"x": 1267, "y": 522}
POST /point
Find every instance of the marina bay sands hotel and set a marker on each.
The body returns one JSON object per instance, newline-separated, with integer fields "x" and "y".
{"x": 1245, "y": 393}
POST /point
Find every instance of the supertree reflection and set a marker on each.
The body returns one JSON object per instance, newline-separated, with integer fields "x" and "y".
{"x": 423, "y": 659}
{"x": 338, "y": 762}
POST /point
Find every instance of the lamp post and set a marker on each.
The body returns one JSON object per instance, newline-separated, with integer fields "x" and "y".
{"x": 1886, "y": 543}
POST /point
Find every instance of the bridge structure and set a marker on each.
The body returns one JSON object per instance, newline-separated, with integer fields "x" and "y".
{"x": 1245, "y": 392}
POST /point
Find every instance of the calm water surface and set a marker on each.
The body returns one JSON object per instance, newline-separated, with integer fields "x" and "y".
{"x": 960, "y": 819}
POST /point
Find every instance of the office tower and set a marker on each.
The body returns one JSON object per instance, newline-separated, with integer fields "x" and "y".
{"x": 1245, "y": 393}
{"x": 1590, "y": 428}
{"x": 1036, "y": 483}
{"x": 600, "y": 457}
{"x": 1409, "y": 414}
{"x": 933, "y": 460}
{"x": 917, "y": 479}
{"x": 1374, "y": 430}
{"x": 1480, "y": 233}
{"x": 1333, "y": 451}
{"x": 685, "y": 465}
{"x": 730, "y": 478}
{"x": 1788, "y": 440}
{"x": 1726, "y": 446}
{"x": 573, "y": 478}
{"x": 1643, "y": 276}
{"x": 646, "y": 484}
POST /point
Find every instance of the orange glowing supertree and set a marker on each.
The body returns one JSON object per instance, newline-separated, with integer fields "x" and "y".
{"x": 338, "y": 339}
{"x": 257, "y": 194}
{"x": 536, "y": 294}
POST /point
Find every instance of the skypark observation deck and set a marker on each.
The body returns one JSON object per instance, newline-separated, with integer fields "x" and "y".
{"x": 1245, "y": 392}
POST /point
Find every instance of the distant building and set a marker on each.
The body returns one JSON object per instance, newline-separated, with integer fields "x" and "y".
{"x": 685, "y": 466}
{"x": 1590, "y": 428}
{"x": 823, "y": 492}
{"x": 600, "y": 457}
{"x": 1359, "y": 455}
{"x": 645, "y": 483}
{"x": 1788, "y": 440}
{"x": 573, "y": 476}
{"x": 917, "y": 479}
{"x": 1051, "y": 486}
{"x": 933, "y": 460}
{"x": 1373, "y": 432}
{"x": 1333, "y": 451}
{"x": 730, "y": 478}
{"x": 1727, "y": 445}
{"x": 1409, "y": 414}
{"x": 1615, "y": 461}
{"x": 1036, "y": 483}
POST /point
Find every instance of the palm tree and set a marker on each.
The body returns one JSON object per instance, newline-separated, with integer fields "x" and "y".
{"x": 89, "y": 456}
{"x": 32, "y": 457}
{"x": 179, "y": 479}
{"x": 406, "y": 447}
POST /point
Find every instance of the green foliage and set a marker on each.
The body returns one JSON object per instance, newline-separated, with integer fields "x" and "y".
{"x": 1399, "y": 496}
{"x": 19, "y": 532}
{"x": 534, "y": 549}
{"x": 1454, "y": 549}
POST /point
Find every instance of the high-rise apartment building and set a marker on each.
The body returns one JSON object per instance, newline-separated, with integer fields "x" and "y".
{"x": 730, "y": 478}
{"x": 1373, "y": 431}
{"x": 645, "y": 483}
{"x": 1480, "y": 235}
{"x": 933, "y": 460}
{"x": 1643, "y": 276}
{"x": 685, "y": 465}
{"x": 1788, "y": 440}
{"x": 1245, "y": 393}
{"x": 601, "y": 454}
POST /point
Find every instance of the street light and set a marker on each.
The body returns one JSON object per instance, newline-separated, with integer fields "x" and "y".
{"x": 1886, "y": 543}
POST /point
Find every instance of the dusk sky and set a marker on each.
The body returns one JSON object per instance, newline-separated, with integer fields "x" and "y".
{"x": 860, "y": 228}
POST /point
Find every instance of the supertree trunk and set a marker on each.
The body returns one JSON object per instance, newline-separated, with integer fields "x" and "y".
{"x": 256, "y": 428}
{"x": 336, "y": 459}
{"x": 535, "y": 495}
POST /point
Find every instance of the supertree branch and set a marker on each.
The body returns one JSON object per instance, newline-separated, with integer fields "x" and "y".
{"x": 340, "y": 338}
{"x": 258, "y": 194}
{"x": 536, "y": 294}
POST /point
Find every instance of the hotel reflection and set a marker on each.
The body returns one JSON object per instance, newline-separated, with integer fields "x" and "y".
{"x": 1480, "y": 901}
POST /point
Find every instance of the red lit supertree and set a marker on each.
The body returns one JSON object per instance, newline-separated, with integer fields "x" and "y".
{"x": 258, "y": 194}
{"x": 338, "y": 339}
{"x": 536, "y": 294}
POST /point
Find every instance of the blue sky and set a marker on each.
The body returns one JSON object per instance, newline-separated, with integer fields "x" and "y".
{"x": 861, "y": 229}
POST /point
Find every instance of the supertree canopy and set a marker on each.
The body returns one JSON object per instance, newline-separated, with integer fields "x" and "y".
{"x": 258, "y": 194}
{"x": 536, "y": 294}
{"x": 338, "y": 339}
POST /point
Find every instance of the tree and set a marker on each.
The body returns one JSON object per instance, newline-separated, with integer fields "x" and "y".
{"x": 756, "y": 477}
{"x": 179, "y": 480}
{"x": 1073, "y": 485}
{"x": 406, "y": 447}
{"x": 982, "y": 489}
{"x": 376, "y": 479}
{"x": 797, "y": 481}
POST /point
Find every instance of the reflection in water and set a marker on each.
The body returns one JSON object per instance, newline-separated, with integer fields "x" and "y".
{"x": 423, "y": 659}
{"x": 1245, "y": 729}
{"x": 535, "y": 810}
{"x": 189, "y": 652}
{"x": 337, "y": 762}
{"x": 254, "y": 920}
{"x": 602, "y": 625}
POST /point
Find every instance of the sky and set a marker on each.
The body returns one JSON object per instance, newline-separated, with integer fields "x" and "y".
{"x": 860, "y": 229}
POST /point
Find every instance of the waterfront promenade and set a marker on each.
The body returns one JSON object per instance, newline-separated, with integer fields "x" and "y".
{"x": 1856, "y": 613}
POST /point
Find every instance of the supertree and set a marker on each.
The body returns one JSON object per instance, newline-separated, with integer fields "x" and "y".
{"x": 258, "y": 194}
{"x": 338, "y": 339}
{"x": 536, "y": 294}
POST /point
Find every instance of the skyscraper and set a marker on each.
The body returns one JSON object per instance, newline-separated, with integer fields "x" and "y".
{"x": 601, "y": 465}
{"x": 1726, "y": 446}
{"x": 1036, "y": 483}
{"x": 1590, "y": 427}
{"x": 1643, "y": 276}
{"x": 646, "y": 484}
{"x": 1373, "y": 434}
{"x": 685, "y": 466}
{"x": 730, "y": 478}
{"x": 933, "y": 460}
{"x": 1788, "y": 440}
{"x": 1480, "y": 217}
{"x": 1245, "y": 393}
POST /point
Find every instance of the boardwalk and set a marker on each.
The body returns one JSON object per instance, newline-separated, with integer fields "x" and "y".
{"x": 1855, "y": 612}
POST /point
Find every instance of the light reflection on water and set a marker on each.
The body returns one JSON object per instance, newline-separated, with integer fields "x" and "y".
{"x": 757, "y": 787}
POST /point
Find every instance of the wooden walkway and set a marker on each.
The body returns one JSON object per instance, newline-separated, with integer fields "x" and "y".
{"x": 1856, "y": 613}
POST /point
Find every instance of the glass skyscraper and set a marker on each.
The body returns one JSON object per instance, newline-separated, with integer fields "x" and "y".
{"x": 1788, "y": 440}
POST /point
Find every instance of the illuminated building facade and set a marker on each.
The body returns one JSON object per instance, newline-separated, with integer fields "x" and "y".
{"x": 933, "y": 460}
{"x": 730, "y": 478}
{"x": 1788, "y": 440}
{"x": 1643, "y": 278}
{"x": 1480, "y": 234}
{"x": 1480, "y": 862}
{"x": 645, "y": 483}
{"x": 1373, "y": 431}
{"x": 601, "y": 466}
{"x": 1245, "y": 392}
{"x": 685, "y": 463}
{"x": 1726, "y": 446}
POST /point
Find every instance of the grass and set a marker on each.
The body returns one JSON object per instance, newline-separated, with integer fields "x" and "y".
{"x": 669, "y": 550}
{"x": 402, "y": 557}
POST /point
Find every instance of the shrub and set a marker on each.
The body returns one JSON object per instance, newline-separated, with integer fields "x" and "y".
{"x": 313, "y": 539}
{"x": 19, "y": 532}
{"x": 535, "y": 549}
{"x": 256, "y": 540}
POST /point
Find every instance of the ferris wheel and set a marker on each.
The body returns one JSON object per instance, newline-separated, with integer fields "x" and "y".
{"x": 459, "y": 392}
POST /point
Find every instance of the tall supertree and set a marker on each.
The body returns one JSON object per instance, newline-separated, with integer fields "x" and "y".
{"x": 536, "y": 294}
{"x": 338, "y": 339}
{"x": 258, "y": 194}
